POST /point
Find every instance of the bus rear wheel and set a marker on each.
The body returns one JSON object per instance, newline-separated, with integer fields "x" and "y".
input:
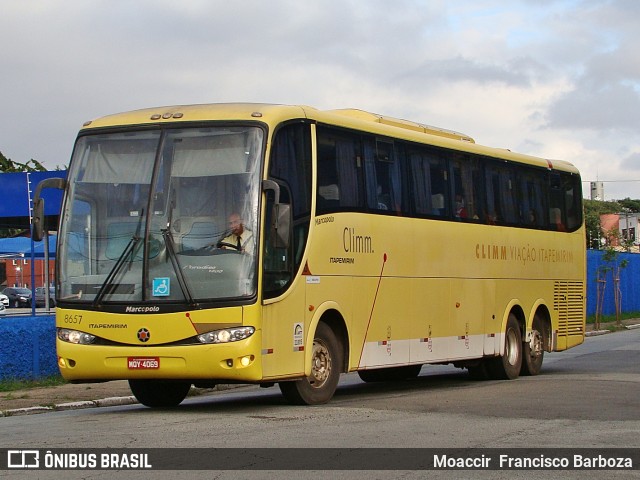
{"x": 159, "y": 393}
{"x": 326, "y": 361}
{"x": 507, "y": 366}
{"x": 533, "y": 350}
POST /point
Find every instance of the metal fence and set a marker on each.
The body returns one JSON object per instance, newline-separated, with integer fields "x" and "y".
{"x": 629, "y": 283}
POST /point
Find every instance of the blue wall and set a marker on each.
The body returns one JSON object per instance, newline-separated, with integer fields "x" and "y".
{"x": 28, "y": 347}
{"x": 629, "y": 283}
{"x": 28, "y": 343}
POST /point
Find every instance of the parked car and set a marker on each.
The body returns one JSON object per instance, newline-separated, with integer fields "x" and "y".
{"x": 40, "y": 296}
{"x": 18, "y": 297}
{"x": 4, "y": 300}
{"x": 3, "y": 310}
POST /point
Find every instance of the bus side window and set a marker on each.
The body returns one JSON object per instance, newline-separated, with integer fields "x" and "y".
{"x": 531, "y": 194}
{"x": 428, "y": 179}
{"x": 464, "y": 169}
{"x": 328, "y": 193}
{"x": 500, "y": 189}
{"x": 555, "y": 219}
{"x": 339, "y": 166}
{"x": 565, "y": 196}
{"x": 382, "y": 172}
{"x": 420, "y": 183}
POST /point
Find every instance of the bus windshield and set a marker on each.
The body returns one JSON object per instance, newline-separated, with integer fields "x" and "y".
{"x": 162, "y": 216}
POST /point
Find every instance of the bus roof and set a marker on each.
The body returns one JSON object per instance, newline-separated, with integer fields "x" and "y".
{"x": 273, "y": 114}
{"x": 399, "y": 123}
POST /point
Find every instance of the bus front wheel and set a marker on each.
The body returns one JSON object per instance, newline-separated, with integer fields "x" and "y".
{"x": 159, "y": 393}
{"x": 326, "y": 361}
{"x": 507, "y": 366}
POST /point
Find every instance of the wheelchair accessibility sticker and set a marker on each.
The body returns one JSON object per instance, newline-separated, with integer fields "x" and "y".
{"x": 161, "y": 287}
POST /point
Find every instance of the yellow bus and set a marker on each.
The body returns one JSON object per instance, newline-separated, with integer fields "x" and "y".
{"x": 264, "y": 244}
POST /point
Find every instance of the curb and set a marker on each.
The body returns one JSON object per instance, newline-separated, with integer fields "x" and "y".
{"x": 595, "y": 333}
{"x": 104, "y": 402}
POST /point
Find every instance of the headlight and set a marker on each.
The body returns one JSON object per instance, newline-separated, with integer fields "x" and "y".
{"x": 227, "y": 335}
{"x": 74, "y": 336}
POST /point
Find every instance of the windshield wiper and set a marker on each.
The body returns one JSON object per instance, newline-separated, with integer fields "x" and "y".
{"x": 171, "y": 253}
{"x": 129, "y": 251}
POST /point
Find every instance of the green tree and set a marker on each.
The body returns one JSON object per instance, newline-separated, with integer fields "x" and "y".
{"x": 592, "y": 211}
{"x": 10, "y": 166}
{"x": 612, "y": 263}
{"x": 632, "y": 205}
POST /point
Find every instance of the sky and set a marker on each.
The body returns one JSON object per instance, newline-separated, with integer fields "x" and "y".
{"x": 559, "y": 79}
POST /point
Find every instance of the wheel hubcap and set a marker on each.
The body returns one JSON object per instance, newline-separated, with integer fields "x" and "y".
{"x": 535, "y": 345}
{"x": 320, "y": 364}
{"x": 512, "y": 350}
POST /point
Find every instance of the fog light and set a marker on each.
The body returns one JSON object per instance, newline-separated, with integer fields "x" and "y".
{"x": 245, "y": 361}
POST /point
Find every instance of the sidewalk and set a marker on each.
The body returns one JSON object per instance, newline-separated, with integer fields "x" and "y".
{"x": 88, "y": 395}
{"x": 75, "y": 396}
{"x": 65, "y": 397}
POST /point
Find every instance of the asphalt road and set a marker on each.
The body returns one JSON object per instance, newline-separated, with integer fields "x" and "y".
{"x": 587, "y": 397}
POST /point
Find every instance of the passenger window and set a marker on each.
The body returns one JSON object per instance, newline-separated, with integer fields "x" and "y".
{"x": 428, "y": 179}
{"x": 500, "y": 191}
{"x": 384, "y": 185}
{"x": 339, "y": 172}
{"x": 466, "y": 199}
{"x": 532, "y": 193}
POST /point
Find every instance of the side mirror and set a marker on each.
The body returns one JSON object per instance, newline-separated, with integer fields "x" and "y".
{"x": 282, "y": 224}
{"x": 280, "y": 216}
{"x": 37, "y": 232}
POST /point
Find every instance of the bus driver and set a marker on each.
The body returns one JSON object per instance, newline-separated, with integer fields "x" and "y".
{"x": 239, "y": 238}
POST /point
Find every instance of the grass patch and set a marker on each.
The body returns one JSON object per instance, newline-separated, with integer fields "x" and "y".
{"x": 612, "y": 318}
{"x": 10, "y": 385}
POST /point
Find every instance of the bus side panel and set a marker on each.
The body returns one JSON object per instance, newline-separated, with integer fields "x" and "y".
{"x": 428, "y": 317}
{"x": 326, "y": 292}
{"x": 472, "y": 308}
{"x": 386, "y": 311}
{"x": 284, "y": 328}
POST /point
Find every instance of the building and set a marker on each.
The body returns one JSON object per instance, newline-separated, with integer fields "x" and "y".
{"x": 17, "y": 272}
{"x": 619, "y": 227}
{"x": 17, "y": 262}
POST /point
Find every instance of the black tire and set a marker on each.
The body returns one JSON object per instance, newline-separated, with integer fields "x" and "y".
{"x": 326, "y": 366}
{"x": 533, "y": 351}
{"x": 507, "y": 366}
{"x": 390, "y": 374}
{"x": 159, "y": 393}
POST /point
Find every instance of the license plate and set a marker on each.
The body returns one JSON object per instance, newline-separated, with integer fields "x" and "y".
{"x": 143, "y": 363}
